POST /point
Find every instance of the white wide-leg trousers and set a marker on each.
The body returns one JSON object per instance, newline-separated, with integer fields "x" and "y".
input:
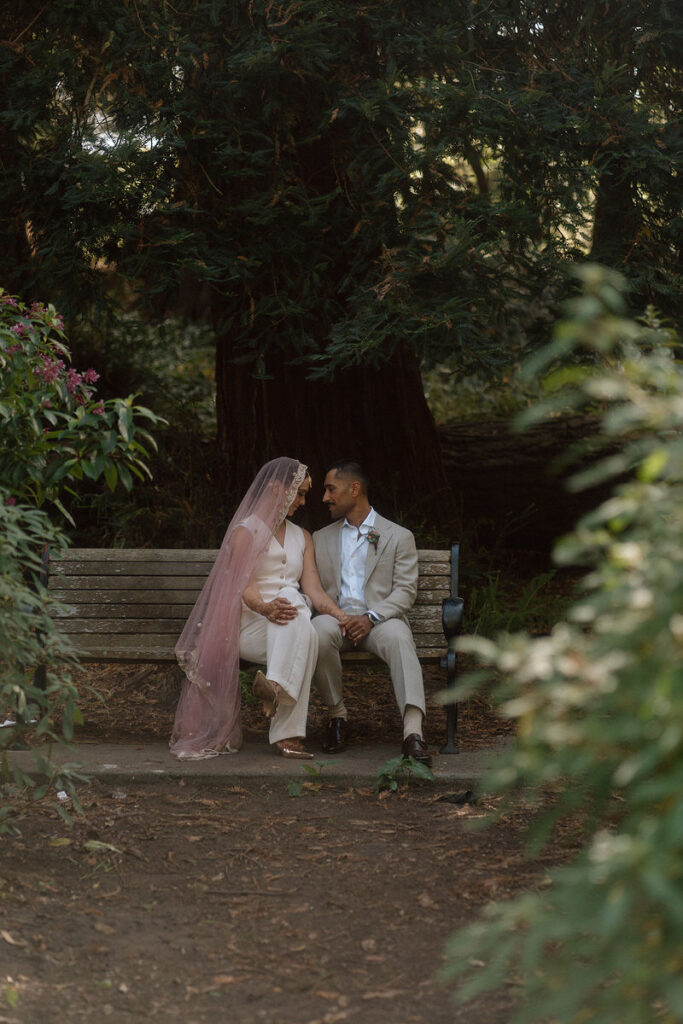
{"x": 289, "y": 652}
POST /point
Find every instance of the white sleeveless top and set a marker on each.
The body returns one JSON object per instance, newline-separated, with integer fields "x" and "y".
{"x": 280, "y": 565}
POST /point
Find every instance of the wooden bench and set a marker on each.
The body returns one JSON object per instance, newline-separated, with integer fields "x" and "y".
{"x": 130, "y": 605}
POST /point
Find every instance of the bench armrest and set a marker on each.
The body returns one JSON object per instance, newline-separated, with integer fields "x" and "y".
{"x": 452, "y": 609}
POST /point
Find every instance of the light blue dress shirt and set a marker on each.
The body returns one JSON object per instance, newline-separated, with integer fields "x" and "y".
{"x": 354, "y": 555}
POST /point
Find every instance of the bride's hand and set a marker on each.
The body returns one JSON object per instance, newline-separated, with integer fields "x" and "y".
{"x": 279, "y": 610}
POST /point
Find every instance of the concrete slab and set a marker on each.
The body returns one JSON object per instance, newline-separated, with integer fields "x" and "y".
{"x": 256, "y": 762}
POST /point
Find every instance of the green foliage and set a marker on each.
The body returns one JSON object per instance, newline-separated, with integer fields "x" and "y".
{"x": 401, "y": 770}
{"x": 340, "y": 188}
{"x": 29, "y": 641}
{"x": 55, "y": 432}
{"x": 170, "y": 365}
{"x": 296, "y": 787}
{"x": 326, "y": 180}
{"x": 499, "y": 603}
{"x": 489, "y": 395}
{"x": 599, "y": 705}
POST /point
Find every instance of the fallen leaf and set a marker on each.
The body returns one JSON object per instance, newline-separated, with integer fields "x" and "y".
{"x": 12, "y": 942}
{"x": 60, "y": 841}
{"x": 95, "y": 846}
{"x": 105, "y": 929}
{"x": 389, "y": 993}
{"x": 369, "y": 945}
{"x": 226, "y": 979}
{"x": 425, "y": 900}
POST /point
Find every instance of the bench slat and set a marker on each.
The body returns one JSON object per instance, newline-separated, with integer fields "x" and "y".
{"x": 180, "y": 562}
{"x": 147, "y": 603}
{"x": 125, "y": 648}
{"x": 75, "y": 589}
{"x": 154, "y": 622}
{"x": 159, "y": 597}
{"x": 134, "y": 555}
{"x": 158, "y": 649}
{"x": 132, "y": 627}
{"x": 60, "y": 583}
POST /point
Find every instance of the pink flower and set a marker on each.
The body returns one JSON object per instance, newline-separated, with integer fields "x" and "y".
{"x": 10, "y": 501}
{"x": 73, "y": 379}
{"x": 98, "y": 409}
{"x": 18, "y": 329}
{"x": 8, "y": 300}
{"x": 90, "y": 376}
{"x": 13, "y": 349}
{"x": 50, "y": 369}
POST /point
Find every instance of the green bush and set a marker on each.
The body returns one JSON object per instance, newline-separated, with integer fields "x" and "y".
{"x": 171, "y": 366}
{"x": 54, "y": 434}
{"x": 30, "y": 642}
{"x": 54, "y": 431}
{"x": 599, "y": 703}
{"x": 498, "y": 602}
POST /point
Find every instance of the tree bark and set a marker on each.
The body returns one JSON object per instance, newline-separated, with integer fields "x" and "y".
{"x": 617, "y": 222}
{"x": 378, "y": 416}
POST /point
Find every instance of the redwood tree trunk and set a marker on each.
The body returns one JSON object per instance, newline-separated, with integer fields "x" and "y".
{"x": 378, "y": 416}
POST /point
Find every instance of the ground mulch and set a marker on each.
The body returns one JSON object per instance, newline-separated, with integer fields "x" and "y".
{"x": 123, "y": 703}
{"x": 195, "y": 902}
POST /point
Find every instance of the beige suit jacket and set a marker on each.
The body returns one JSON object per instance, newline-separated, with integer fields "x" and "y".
{"x": 390, "y": 570}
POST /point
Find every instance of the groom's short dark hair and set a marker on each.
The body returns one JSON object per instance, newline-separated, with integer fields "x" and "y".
{"x": 352, "y": 469}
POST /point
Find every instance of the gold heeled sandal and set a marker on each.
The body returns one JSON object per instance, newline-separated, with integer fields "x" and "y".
{"x": 293, "y": 748}
{"x": 267, "y": 692}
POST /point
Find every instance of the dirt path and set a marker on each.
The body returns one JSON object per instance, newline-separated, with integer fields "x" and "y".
{"x": 248, "y": 906}
{"x": 179, "y": 901}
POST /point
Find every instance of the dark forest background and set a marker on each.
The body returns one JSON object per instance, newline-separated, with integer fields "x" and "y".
{"x": 326, "y": 229}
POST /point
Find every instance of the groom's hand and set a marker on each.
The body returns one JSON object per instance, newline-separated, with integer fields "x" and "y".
{"x": 357, "y": 627}
{"x": 343, "y": 621}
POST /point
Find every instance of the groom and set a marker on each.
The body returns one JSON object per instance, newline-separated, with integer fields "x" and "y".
{"x": 368, "y": 565}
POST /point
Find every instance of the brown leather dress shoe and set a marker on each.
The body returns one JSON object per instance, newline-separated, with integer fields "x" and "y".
{"x": 336, "y": 735}
{"x": 415, "y": 746}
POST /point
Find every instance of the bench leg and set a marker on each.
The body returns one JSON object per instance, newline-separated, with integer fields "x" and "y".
{"x": 450, "y": 663}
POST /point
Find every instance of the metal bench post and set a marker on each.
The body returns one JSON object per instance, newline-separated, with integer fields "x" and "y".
{"x": 452, "y": 613}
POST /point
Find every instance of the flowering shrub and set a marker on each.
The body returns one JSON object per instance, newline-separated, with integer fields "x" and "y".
{"x": 599, "y": 703}
{"x": 54, "y": 431}
{"x": 28, "y": 639}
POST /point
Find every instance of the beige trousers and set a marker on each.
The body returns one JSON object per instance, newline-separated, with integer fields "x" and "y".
{"x": 289, "y": 652}
{"x": 391, "y": 641}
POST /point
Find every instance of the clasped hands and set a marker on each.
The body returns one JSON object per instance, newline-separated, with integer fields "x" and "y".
{"x": 355, "y": 627}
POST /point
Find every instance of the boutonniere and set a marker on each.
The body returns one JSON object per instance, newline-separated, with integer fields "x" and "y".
{"x": 373, "y": 537}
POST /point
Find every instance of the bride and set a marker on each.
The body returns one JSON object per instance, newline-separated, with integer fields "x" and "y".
{"x": 255, "y": 604}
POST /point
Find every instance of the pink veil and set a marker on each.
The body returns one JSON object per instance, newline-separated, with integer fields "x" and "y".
{"x": 207, "y": 716}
